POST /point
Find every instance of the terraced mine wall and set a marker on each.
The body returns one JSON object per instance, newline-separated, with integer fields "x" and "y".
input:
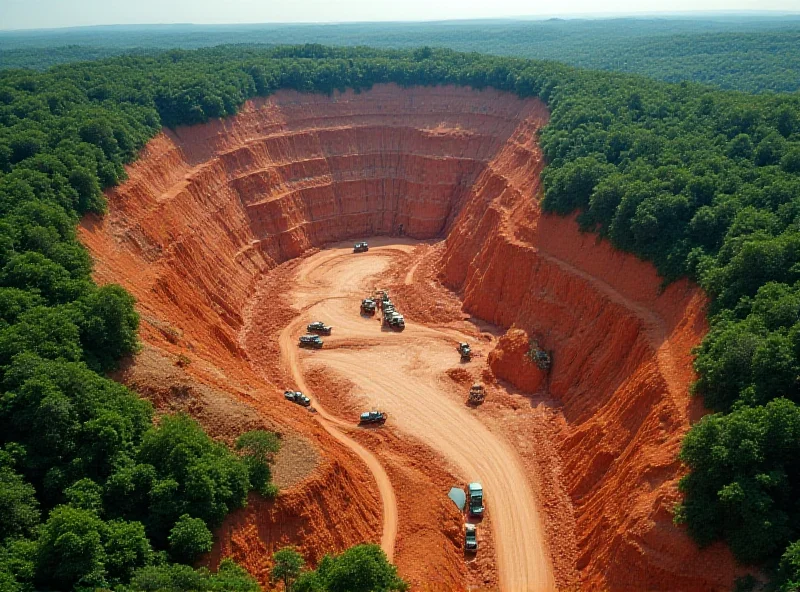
{"x": 208, "y": 209}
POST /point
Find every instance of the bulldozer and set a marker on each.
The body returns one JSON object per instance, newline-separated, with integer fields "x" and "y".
{"x": 477, "y": 394}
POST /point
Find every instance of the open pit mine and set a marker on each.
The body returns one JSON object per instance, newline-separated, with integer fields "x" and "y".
{"x": 236, "y": 234}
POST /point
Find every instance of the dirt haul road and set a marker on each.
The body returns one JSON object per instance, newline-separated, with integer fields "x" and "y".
{"x": 402, "y": 373}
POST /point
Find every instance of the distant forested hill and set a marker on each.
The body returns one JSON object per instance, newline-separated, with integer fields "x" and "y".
{"x": 754, "y": 54}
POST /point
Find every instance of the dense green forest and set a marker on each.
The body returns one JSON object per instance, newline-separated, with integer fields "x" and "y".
{"x": 704, "y": 183}
{"x": 92, "y": 492}
{"x": 752, "y": 54}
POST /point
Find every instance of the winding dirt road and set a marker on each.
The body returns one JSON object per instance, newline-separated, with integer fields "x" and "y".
{"x": 404, "y": 374}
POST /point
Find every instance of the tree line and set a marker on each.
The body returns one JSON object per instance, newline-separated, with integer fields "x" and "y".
{"x": 747, "y": 54}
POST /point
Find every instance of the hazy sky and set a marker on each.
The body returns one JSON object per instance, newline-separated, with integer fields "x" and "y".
{"x": 27, "y": 14}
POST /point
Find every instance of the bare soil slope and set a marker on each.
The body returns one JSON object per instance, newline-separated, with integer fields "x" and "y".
{"x": 204, "y": 234}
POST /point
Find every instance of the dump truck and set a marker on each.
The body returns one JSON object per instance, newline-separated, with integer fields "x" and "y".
{"x": 313, "y": 341}
{"x": 477, "y": 394}
{"x": 319, "y": 327}
{"x": 470, "y": 538}
{"x": 475, "y": 499}
{"x": 297, "y": 397}
{"x": 368, "y": 306}
{"x": 465, "y": 351}
{"x": 361, "y": 247}
{"x": 372, "y": 417}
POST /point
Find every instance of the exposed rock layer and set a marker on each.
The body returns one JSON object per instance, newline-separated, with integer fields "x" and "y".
{"x": 208, "y": 209}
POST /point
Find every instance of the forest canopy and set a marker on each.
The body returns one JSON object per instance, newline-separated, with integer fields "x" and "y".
{"x": 735, "y": 52}
{"x": 703, "y": 183}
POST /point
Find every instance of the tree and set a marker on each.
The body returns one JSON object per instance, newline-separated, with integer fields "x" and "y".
{"x": 70, "y": 550}
{"x": 363, "y": 568}
{"x": 19, "y": 508}
{"x": 770, "y": 150}
{"x": 17, "y": 565}
{"x": 195, "y": 475}
{"x": 741, "y": 486}
{"x": 788, "y": 577}
{"x": 288, "y": 565}
{"x": 169, "y": 578}
{"x": 108, "y": 326}
{"x": 127, "y": 549}
{"x": 189, "y": 538}
{"x": 85, "y": 495}
{"x": 90, "y": 198}
{"x": 230, "y": 577}
{"x": 740, "y": 147}
{"x": 791, "y": 161}
{"x": 258, "y": 448}
{"x": 571, "y": 186}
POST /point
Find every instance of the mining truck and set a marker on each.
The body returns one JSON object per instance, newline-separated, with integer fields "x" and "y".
{"x": 372, "y": 417}
{"x": 313, "y": 341}
{"x": 470, "y": 538}
{"x": 475, "y": 499}
{"x": 477, "y": 394}
{"x": 361, "y": 247}
{"x": 297, "y": 397}
{"x": 368, "y": 306}
{"x": 395, "y": 320}
{"x": 319, "y": 327}
{"x": 465, "y": 351}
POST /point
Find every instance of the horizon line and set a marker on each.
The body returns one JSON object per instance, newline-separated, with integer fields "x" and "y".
{"x": 693, "y": 15}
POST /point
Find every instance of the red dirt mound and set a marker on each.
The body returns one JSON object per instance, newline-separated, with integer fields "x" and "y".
{"x": 509, "y": 360}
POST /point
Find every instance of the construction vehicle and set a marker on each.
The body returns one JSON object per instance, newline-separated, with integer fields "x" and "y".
{"x": 312, "y": 341}
{"x": 297, "y": 397}
{"x": 372, "y": 417}
{"x": 465, "y": 351}
{"x": 368, "y": 306}
{"x": 319, "y": 327}
{"x": 381, "y": 297}
{"x": 475, "y": 499}
{"x": 361, "y": 247}
{"x": 395, "y": 320}
{"x": 470, "y": 538}
{"x": 477, "y": 394}
{"x": 539, "y": 356}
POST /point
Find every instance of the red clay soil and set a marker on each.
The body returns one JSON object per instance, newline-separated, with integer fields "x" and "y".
{"x": 509, "y": 360}
{"x": 203, "y": 232}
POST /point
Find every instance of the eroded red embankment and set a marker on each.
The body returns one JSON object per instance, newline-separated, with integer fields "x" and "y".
{"x": 621, "y": 366}
{"x": 207, "y": 210}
